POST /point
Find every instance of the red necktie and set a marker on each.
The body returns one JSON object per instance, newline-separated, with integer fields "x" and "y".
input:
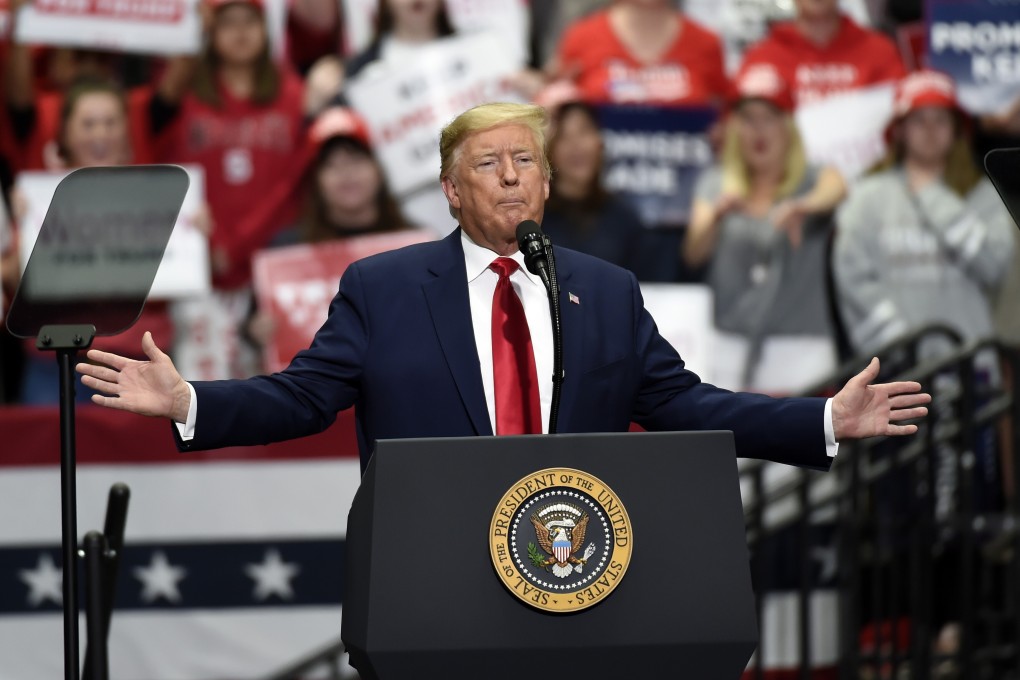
{"x": 518, "y": 408}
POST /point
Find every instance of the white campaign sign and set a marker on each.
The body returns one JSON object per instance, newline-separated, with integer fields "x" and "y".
{"x": 163, "y": 27}
{"x": 184, "y": 270}
{"x": 847, "y": 130}
{"x": 358, "y": 24}
{"x": 509, "y": 18}
{"x": 142, "y": 26}
{"x": 683, "y": 314}
{"x": 405, "y": 109}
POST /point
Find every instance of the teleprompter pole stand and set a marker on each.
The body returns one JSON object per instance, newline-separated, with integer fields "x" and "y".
{"x": 66, "y": 341}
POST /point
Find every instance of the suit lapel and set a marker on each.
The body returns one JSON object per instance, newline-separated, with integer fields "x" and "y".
{"x": 447, "y": 296}
{"x": 572, "y": 317}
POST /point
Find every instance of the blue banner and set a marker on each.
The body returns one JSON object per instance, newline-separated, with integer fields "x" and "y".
{"x": 977, "y": 42}
{"x": 653, "y": 156}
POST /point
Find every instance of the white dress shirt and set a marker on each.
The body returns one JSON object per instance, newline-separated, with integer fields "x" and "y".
{"x": 481, "y": 286}
{"x": 530, "y": 289}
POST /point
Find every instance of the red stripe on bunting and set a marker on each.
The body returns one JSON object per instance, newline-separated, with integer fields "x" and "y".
{"x": 31, "y": 436}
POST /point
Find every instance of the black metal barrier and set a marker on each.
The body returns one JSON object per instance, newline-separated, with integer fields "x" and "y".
{"x": 927, "y": 546}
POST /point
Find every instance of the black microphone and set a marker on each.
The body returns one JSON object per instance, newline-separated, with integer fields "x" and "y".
{"x": 541, "y": 261}
{"x": 532, "y": 241}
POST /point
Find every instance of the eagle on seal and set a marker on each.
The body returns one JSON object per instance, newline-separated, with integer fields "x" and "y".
{"x": 561, "y": 543}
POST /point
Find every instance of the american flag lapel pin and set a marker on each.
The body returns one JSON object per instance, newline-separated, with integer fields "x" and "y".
{"x": 573, "y": 298}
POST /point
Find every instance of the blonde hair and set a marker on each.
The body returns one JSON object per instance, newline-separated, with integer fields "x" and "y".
{"x": 736, "y": 175}
{"x": 485, "y": 117}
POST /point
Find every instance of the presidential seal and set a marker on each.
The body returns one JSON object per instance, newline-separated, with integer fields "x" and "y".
{"x": 560, "y": 540}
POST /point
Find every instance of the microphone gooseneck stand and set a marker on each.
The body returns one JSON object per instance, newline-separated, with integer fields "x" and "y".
{"x": 539, "y": 259}
{"x": 557, "y": 328}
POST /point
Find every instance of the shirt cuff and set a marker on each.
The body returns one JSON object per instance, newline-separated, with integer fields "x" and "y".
{"x": 187, "y": 428}
{"x": 831, "y": 445}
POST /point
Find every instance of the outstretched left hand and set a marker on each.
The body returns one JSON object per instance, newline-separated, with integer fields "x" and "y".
{"x": 862, "y": 410}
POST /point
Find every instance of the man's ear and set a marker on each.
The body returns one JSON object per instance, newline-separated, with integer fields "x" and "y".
{"x": 450, "y": 189}
{"x": 546, "y": 188}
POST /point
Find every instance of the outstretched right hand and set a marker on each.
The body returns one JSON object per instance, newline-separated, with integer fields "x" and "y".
{"x": 150, "y": 388}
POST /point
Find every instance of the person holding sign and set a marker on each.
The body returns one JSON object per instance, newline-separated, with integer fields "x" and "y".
{"x": 402, "y": 29}
{"x": 761, "y": 221}
{"x": 823, "y": 52}
{"x": 93, "y": 132}
{"x": 448, "y": 339}
{"x": 242, "y": 120}
{"x": 402, "y": 26}
{"x": 346, "y": 196}
{"x": 34, "y": 111}
{"x": 643, "y": 52}
{"x": 925, "y": 240}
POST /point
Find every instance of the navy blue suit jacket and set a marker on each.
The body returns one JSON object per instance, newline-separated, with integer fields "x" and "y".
{"x": 399, "y": 347}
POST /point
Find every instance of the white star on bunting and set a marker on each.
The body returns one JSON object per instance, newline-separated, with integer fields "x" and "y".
{"x": 44, "y": 582}
{"x": 272, "y": 576}
{"x": 160, "y": 579}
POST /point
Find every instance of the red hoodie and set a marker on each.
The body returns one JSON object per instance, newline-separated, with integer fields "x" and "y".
{"x": 855, "y": 57}
{"x": 690, "y": 72}
{"x": 247, "y": 150}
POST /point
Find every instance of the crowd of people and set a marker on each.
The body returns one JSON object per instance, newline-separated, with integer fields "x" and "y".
{"x": 801, "y": 261}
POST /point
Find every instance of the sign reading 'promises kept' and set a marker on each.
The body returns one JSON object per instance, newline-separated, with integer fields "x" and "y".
{"x": 977, "y": 42}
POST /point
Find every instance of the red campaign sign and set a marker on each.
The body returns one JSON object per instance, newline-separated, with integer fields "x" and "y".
{"x": 295, "y": 285}
{"x": 156, "y": 11}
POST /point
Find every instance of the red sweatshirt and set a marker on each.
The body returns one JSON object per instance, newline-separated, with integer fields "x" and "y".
{"x": 691, "y": 71}
{"x": 855, "y": 57}
{"x": 246, "y": 150}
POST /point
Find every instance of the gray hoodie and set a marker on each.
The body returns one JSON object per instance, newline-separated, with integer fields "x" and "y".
{"x": 905, "y": 261}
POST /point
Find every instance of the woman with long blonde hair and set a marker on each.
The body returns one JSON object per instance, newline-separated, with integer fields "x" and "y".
{"x": 760, "y": 223}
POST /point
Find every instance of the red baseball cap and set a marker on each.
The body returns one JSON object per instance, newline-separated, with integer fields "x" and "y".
{"x": 762, "y": 81}
{"x": 338, "y": 121}
{"x": 925, "y": 88}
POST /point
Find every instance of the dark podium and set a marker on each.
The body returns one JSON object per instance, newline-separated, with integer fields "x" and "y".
{"x": 423, "y": 598}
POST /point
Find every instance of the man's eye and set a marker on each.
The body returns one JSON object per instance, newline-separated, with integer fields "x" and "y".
{"x": 524, "y": 159}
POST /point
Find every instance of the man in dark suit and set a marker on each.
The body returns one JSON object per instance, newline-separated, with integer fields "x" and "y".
{"x": 453, "y": 338}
